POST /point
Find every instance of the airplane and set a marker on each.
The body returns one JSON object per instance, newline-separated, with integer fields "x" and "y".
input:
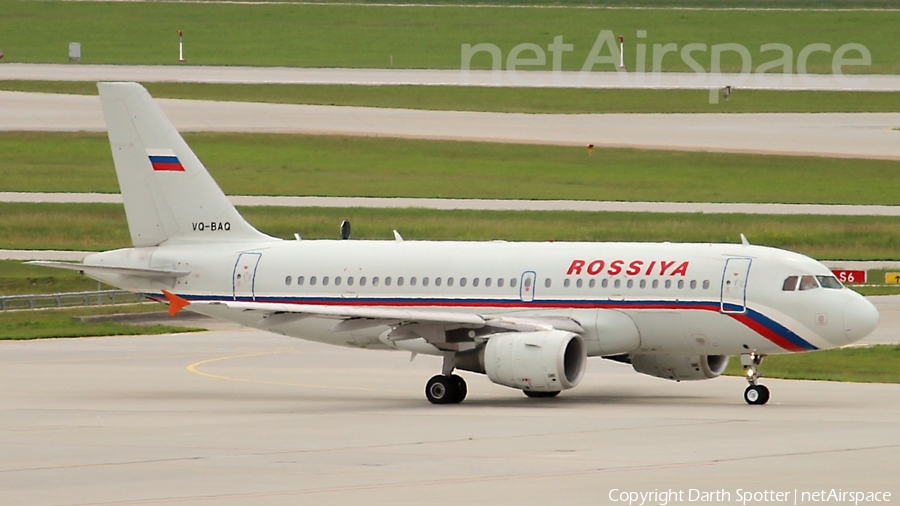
{"x": 526, "y": 314}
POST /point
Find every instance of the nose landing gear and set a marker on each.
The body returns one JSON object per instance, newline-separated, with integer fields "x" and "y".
{"x": 755, "y": 393}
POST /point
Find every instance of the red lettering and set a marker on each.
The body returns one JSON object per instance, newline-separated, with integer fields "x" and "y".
{"x": 576, "y": 267}
{"x": 681, "y": 270}
{"x": 615, "y": 267}
{"x": 595, "y": 267}
{"x": 664, "y": 266}
{"x": 650, "y": 269}
{"x": 634, "y": 268}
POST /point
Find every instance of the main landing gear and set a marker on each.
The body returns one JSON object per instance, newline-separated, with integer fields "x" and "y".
{"x": 755, "y": 393}
{"x": 446, "y": 389}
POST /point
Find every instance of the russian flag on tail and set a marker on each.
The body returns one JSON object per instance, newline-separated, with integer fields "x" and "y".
{"x": 165, "y": 162}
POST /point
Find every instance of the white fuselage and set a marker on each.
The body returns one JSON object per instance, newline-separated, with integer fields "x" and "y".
{"x": 690, "y": 299}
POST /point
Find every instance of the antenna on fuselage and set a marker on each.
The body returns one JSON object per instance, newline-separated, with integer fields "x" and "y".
{"x": 744, "y": 240}
{"x": 345, "y": 229}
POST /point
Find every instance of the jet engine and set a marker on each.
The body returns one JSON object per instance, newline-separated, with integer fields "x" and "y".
{"x": 543, "y": 361}
{"x": 680, "y": 367}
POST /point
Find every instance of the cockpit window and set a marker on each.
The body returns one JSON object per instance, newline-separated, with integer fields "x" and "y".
{"x": 808, "y": 283}
{"x": 790, "y": 284}
{"x": 829, "y": 282}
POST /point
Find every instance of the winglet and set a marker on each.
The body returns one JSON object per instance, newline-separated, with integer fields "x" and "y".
{"x": 176, "y": 303}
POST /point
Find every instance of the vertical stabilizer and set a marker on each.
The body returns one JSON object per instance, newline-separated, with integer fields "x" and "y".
{"x": 169, "y": 196}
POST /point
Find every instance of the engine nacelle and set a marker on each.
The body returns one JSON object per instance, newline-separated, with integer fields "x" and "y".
{"x": 680, "y": 367}
{"x": 544, "y": 361}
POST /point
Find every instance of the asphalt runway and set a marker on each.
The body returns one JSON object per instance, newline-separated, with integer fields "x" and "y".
{"x": 857, "y": 135}
{"x": 487, "y": 204}
{"x": 241, "y": 417}
{"x": 432, "y": 77}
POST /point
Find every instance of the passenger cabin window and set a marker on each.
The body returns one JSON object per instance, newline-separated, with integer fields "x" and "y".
{"x": 437, "y": 281}
{"x": 412, "y": 281}
{"x": 312, "y": 280}
{"x": 790, "y": 284}
{"x": 362, "y": 281}
{"x": 487, "y": 282}
{"x": 604, "y": 283}
{"x": 629, "y": 283}
{"x": 424, "y": 281}
{"x": 706, "y": 284}
{"x": 499, "y": 282}
{"x": 547, "y": 283}
{"x": 830, "y": 282}
{"x": 693, "y": 284}
{"x": 512, "y": 283}
{"x": 680, "y": 284}
{"x": 400, "y": 281}
{"x": 567, "y": 282}
{"x": 617, "y": 283}
{"x": 337, "y": 281}
{"x": 300, "y": 280}
{"x": 462, "y": 281}
{"x": 350, "y": 281}
{"x": 449, "y": 281}
{"x": 668, "y": 283}
{"x": 592, "y": 283}
{"x": 475, "y": 282}
{"x": 578, "y": 283}
{"x": 325, "y": 281}
{"x": 808, "y": 283}
{"x": 387, "y": 281}
{"x": 287, "y": 281}
{"x": 375, "y": 281}
{"x": 655, "y": 283}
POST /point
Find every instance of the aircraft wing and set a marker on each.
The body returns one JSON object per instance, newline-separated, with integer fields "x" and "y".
{"x": 408, "y": 323}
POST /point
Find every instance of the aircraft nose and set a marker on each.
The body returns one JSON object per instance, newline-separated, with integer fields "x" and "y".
{"x": 860, "y": 319}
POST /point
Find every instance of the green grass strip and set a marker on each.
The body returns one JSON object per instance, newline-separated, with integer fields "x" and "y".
{"x": 48, "y": 323}
{"x": 269, "y": 164}
{"x": 872, "y": 364}
{"x": 510, "y": 100}
{"x": 17, "y": 278}
{"x": 420, "y": 37}
{"x": 102, "y": 226}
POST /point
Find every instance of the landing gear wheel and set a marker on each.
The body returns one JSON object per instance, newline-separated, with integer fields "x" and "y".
{"x": 461, "y": 388}
{"x": 540, "y": 395}
{"x": 756, "y": 394}
{"x": 446, "y": 389}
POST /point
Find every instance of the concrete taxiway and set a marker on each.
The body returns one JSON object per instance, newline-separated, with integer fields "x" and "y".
{"x": 449, "y": 77}
{"x": 858, "y": 135}
{"x": 487, "y": 204}
{"x": 238, "y": 417}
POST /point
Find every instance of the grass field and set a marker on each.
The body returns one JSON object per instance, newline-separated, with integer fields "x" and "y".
{"x": 416, "y": 37}
{"x": 873, "y": 364}
{"x": 61, "y": 323}
{"x": 264, "y": 164}
{"x": 520, "y": 100}
{"x": 102, "y": 226}
{"x": 16, "y": 278}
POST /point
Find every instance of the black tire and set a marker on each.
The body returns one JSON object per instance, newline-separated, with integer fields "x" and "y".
{"x": 756, "y": 395}
{"x": 441, "y": 389}
{"x": 540, "y": 395}
{"x": 461, "y": 388}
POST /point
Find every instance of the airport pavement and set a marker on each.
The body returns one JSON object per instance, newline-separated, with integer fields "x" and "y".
{"x": 488, "y": 204}
{"x": 432, "y": 77}
{"x": 844, "y": 135}
{"x": 238, "y": 417}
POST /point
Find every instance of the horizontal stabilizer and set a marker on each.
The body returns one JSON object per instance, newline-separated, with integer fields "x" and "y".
{"x": 141, "y": 272}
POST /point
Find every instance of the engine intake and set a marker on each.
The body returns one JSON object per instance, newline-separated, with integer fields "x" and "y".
{"x": 544, "y": 361}
{"x": 680, "y": 367}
